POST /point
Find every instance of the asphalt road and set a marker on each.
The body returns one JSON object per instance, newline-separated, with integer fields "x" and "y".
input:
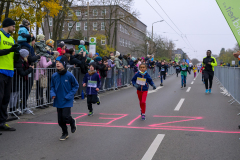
{"x": 179, "y": 125}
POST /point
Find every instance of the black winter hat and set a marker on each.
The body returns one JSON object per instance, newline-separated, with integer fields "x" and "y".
{"x": 7, "y": 22}
{"x": 93, "y": 64}
{"x": 63, "y": 59}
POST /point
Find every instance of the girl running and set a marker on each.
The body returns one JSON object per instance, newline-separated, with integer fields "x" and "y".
{"x": 141, "y": 81}
{"x": 184, "y": 70}
{"x": 195, "y": 70}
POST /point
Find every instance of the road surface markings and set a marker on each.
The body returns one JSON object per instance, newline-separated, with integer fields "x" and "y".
{"x": 192, "y": 82}
{"x": 189, "y": 88}
{"x": 153, "y": 91}
{"x": 153, "y": 147}
{"x": 179, "y": 105}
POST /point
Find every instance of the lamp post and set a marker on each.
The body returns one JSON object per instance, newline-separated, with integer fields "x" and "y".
{"x": 147, "y": 47}
{"x": 152, "y": 27}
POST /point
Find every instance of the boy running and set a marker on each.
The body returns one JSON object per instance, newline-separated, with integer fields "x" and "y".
{"x": 184, "y": 70}
{"x": 163, "y": 72}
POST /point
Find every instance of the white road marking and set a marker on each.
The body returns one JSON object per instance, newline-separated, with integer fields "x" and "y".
{"x": 179, "y": 105}
{"x": 153, "y": 91}
{"x": 189, "y": 88}
{"x": 192, "y": 82}
{"x": 153, "y": 147}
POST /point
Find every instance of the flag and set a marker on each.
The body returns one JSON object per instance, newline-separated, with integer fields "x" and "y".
{"x": 231, "y": 12}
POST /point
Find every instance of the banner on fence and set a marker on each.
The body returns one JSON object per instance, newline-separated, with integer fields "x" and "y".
{"x": 231, "y": 12}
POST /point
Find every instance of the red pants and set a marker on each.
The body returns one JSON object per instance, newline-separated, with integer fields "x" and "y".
{"x": 142, "y": 96}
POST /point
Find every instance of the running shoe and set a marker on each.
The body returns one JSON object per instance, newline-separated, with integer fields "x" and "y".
{"x": 98, "y": 103}
{"x": 210, "y": 90}
{"x": 63, "y": 137}
{"x": 161, "y": 84}
{"x": 74, "y": 126}
{"x": 206, "y": 91}
{"x": 143, "y": 117}
{"x": 90, "y": 114}
{"x": 6, "y": 127}
{"x": 185, "y": 85}
{"x": 181, "y": 86}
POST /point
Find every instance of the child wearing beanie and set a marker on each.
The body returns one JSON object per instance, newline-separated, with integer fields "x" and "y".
{"x": 92, "y": 81}
{"x": 50, "y": 44}
{"x": 63, "y": 88}
{"x": 23, "y": 34}
{"x": 81, "y": 47}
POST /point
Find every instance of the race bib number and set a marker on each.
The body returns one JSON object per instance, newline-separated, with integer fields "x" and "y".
{"x": 184, "y": 68}
{"x": 141, "y": 81}
{"x": 163, "y": 69}
{"x": 92, "y": 84}
{"x": 177, "y": 67}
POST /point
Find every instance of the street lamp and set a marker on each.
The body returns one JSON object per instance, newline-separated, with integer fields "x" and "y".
{"x": 152, "y": 27}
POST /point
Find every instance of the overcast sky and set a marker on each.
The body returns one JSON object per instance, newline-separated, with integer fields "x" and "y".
{"x": 201, "y": 20}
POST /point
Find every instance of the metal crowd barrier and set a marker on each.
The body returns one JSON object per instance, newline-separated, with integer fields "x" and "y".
{"x": 228, "y": 78}
{"x": 27, "y": 93}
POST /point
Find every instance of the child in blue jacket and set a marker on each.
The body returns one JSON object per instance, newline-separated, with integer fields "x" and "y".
{"x": 63, "y": 88}
{"x": 92, "y": 81}
{"x": 141, "y": 81}
{"x": 23, "y": 34}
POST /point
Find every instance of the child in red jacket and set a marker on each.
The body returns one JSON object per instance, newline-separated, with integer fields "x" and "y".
{"x": 61, "y": 49}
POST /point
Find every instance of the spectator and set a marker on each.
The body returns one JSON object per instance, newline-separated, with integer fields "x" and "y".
{"x": 119, "y": 68}
{"x": 61, "y": 49}
{"x": 50, "y": 44}
{"x": 23, "y": 34}
{"x": 101, "y": 69}
{"x": 82, "y": 47}
{"x": 45, "y": 62}
{"x": 110, "y": 76}
{"x": 32, "y": 57}
{"x": 21, "y": 82}
{"x": 6, "y": 69}
{"x": 125, "y": 67}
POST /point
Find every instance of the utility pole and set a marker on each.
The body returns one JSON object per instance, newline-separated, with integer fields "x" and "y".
{"x": 88, "y": 21}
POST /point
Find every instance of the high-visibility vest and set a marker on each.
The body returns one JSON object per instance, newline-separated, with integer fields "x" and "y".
{"x": 6, "y": 61}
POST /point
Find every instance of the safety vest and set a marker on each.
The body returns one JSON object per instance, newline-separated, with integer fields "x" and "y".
{"x": 6, "y": 61}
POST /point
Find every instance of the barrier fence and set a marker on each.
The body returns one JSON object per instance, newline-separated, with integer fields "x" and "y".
{"x": 228, "y": 79}
{"x": 29, "y": 93}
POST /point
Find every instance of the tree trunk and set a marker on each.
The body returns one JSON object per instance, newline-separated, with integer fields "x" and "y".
{"x": 7, "y": 9}
{"x": 1, "y": 9}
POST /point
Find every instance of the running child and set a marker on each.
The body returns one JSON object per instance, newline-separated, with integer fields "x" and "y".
{"x": 195, "y": 70}
{"x": 201, "y": 71}
{"x": 163, "y": 72}
{"x": 92, "y": 81}
{"x": 141, "y": 81}
{"x": 63, "y": 88}
{"x": 177, "y": 67}
{"x": 184, "y": 70}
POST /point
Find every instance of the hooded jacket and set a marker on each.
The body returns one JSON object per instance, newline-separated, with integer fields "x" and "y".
{"x": 209, "y": 67}
{"x": 118, "y": 64}
{"x": 148, "y": 81}
{"x": 23, "y": 34}
{"x": 93, "y": 77}
{"x": 63, "y": 87}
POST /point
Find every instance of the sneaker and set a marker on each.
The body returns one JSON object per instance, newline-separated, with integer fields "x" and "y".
{"x": 98, "y": 103}
{"x": 90, "y": 114}
{"x": 210, "y": 90}
{"x": 181, "y": 86}
{"x": 74, "y": 126}
{"x": 64, "y": 137}
{"x": 185, "y": 85}
{"x": 161, "y": 84}
{"x": 6, "y": 127}
{"x": 143, "y": 117}
{"x": 206, "y": 91}
{"x": 0, "y": 133}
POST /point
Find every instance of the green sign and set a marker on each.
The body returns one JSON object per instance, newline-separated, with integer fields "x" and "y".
{"x": 231, "y": 12}
{"x": 93, "y": 40}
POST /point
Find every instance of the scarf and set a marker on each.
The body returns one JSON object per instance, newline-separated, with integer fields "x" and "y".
{"x": 143, "y": 73}
{"x": 91, "y": 72}
{"x": 62, "y": 72}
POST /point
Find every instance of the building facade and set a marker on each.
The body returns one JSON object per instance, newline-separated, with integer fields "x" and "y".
{"x": 113, "y": 23}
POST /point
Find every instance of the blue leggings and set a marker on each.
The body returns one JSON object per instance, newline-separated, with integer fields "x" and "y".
{"x": 183, "y": 79}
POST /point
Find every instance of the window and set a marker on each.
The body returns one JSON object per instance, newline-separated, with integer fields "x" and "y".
{"x": 78, "y": 26}
{"x": 121, "y": 28}
{"x": 104, "y": 12}
{"x": 50, "y": 22}
{"x": 95, "y": 26}
{"x": 129, "y": 44}
{"x": 86, "y": 13}
{"x": 78, "y": 13}
{"x": 85, "y": 26}
{"x": 103, "y": 41}
{"x": 95, "y": 12}
{"x": 70, "y": 13}
{"x": 126, "y": 32}
{"x": 126, "y": 43}
{"x": 103, "y": 26}
{"x": 121, "y": 15}
{"x": 70, "y": 24}
{"x": 123, "y": 42}
{"x": 120, "y": 41}
{"x": 50, "y": 35}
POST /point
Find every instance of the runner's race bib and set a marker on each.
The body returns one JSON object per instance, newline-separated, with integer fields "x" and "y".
{"x": 141, "y": 81}
{"x": 163, "y": 69}
{"x": 177, "y": 67}
{"x": 184, "y": 68}
{"x": 92, "y": 84}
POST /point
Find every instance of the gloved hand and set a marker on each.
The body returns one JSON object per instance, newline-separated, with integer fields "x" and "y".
{"x": 136, "y": 86}
{"x": 15, "y": 48}
{"x": 154, "y": 87}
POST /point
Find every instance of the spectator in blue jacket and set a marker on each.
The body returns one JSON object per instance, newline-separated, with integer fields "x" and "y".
{"x": 23, "y": 34}
{"x": 63, "y": 88}
{"x": 92, "y": 81}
